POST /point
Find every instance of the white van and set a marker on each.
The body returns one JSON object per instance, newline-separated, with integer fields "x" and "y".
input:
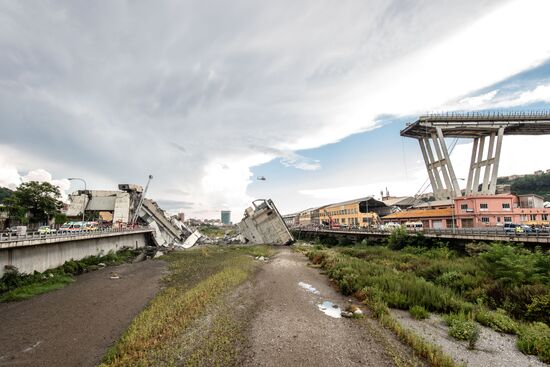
{"x": 414, "y": 226}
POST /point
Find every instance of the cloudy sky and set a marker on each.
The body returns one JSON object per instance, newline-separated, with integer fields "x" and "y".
{"x": 208, "y": 95}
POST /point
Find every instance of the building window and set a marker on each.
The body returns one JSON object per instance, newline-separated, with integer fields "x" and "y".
{"x": 506, "y": 206}
{"x": 343, "y": 220}
{"x": 483, "y": 206}
{"x": 498, "y": 219}
{"x": 507, "y": 219}
{"x": 544, "y": 217}
{"x": 485, "y": 219}
{"x": 533, "y": 217}
{"x": 523, "y": 217}
{"x": 463, "y": 206}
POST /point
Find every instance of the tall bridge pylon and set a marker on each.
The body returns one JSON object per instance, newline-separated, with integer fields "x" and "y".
{"x": 487, "y": 131}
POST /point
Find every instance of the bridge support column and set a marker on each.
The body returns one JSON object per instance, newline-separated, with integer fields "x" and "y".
{"x": 489, "y": 163}
{"x": 440, "y": 170}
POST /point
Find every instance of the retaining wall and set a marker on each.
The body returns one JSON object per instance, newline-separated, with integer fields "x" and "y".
{"x": 30, "y": 257}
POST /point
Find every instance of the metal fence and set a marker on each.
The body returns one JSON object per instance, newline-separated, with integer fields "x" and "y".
{"x": 488, "y": 232}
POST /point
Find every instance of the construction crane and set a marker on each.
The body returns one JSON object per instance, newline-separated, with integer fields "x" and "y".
{"x": 331, "y": 224}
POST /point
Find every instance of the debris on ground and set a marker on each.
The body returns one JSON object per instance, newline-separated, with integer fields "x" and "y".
{"x": 261, "y": 258}
{"x": 114, "y": 275}
{"x": 308, "y": 287}
{"x": 330, "y": 309}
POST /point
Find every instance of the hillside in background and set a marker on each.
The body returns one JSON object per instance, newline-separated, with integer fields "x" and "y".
{"x": 529, "y": 184}
{"x": 4, "y": 193}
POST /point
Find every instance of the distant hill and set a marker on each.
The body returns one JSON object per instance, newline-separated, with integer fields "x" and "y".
{"x": 529, "y": 184}
{"x": 4, "y": 193}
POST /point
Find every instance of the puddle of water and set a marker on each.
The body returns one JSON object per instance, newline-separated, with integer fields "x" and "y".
{"x": 308, "y": 287}
{"x": 330, "y": 309}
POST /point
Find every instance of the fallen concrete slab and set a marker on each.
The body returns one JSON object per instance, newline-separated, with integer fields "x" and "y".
{"x": 263, "y": 224}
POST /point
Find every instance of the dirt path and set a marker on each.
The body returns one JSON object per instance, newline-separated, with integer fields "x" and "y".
{"x": 289, "y": 329}
{"x": 74, "y": 326}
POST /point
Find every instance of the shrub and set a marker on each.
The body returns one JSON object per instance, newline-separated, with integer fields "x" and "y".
{"x": 419, "y": 312}
{"x": 535, "y": 339}
{"x": 461, "y": 328}
{"x": 539, "y": 308}
{"x": 514, "y": 265}
{"x": 497, "y": 321}
{"x": 517, "y": 299}
{"x": 476, "y": 248}
{"x": 398, "y": 239}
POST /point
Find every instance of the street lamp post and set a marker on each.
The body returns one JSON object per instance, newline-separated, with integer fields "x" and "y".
{"x": 85, "y": 189}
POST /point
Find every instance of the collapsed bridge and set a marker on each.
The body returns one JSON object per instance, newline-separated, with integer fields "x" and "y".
{"x": 487, "y": 131}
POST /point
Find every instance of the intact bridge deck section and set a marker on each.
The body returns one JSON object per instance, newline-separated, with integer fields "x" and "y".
{"x": 36, "y": 239}
{"x": 462, "y": 234}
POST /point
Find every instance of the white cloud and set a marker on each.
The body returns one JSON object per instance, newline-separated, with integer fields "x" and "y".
{"x": 300, "y": 162}
{"x": 540, "y": 93}
{"x": 197, "y": 94}
{"x": 477, "y": 101}
{"x": 11, "y": 178}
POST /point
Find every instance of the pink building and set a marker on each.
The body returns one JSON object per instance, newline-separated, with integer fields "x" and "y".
{"x": 479, "y": 211}
{"x": 495, "y": 210}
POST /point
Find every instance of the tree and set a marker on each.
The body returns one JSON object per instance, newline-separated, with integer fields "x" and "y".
{"x": 4, "y": 194}
{"x": 39, "y": 201}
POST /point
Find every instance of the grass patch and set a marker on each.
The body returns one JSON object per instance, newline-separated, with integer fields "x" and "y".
{"x": 462, "y": 327}
{"x": 496, "y": 285}
{"x": 496, "y": 320}
{"x": 15, "y": 286}
{"x": 535, "y": 339}
{"x": 199, "y": 279}
{"x": 419, "y": 313}
{"x": 33, "y": 289}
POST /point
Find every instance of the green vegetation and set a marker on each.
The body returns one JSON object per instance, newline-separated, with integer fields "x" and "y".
{"x": 15, "y": 286}
{"x": 500, "y": 286}
{"x": 216, "y": 231}
{"x": 4, "y": 194}
{"x": 531, "y": 184}
{"x": 34, "y": 202}
{"x": 419, "y": 313}
{"x": 496, "y": 320}
{"x": 462, "y": 327}
{"x": 535, "y": 339}
{"x": 373, "y": 298}
{"x": 196, "y": 289}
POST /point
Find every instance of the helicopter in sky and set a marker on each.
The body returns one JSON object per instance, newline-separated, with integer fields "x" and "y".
{"x": 261, "y": 178}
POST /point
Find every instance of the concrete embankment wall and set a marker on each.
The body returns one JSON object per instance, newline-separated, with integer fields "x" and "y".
{"x": 28, "y": 258}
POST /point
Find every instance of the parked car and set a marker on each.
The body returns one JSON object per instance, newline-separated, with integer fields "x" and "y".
{"x": 511, "y": 227}
{"x": 16, "y": 230}
{"x": 526, "y": 228}
{"x": 71, "y": 227}
{"x": 91, "y": 226}
{"x": 12, "y": 230}
{"x": 46, "y": 230}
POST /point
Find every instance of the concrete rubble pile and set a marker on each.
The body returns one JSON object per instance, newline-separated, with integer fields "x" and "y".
{"x": 263, "y": 224}
{"x": 123, "y": 204}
